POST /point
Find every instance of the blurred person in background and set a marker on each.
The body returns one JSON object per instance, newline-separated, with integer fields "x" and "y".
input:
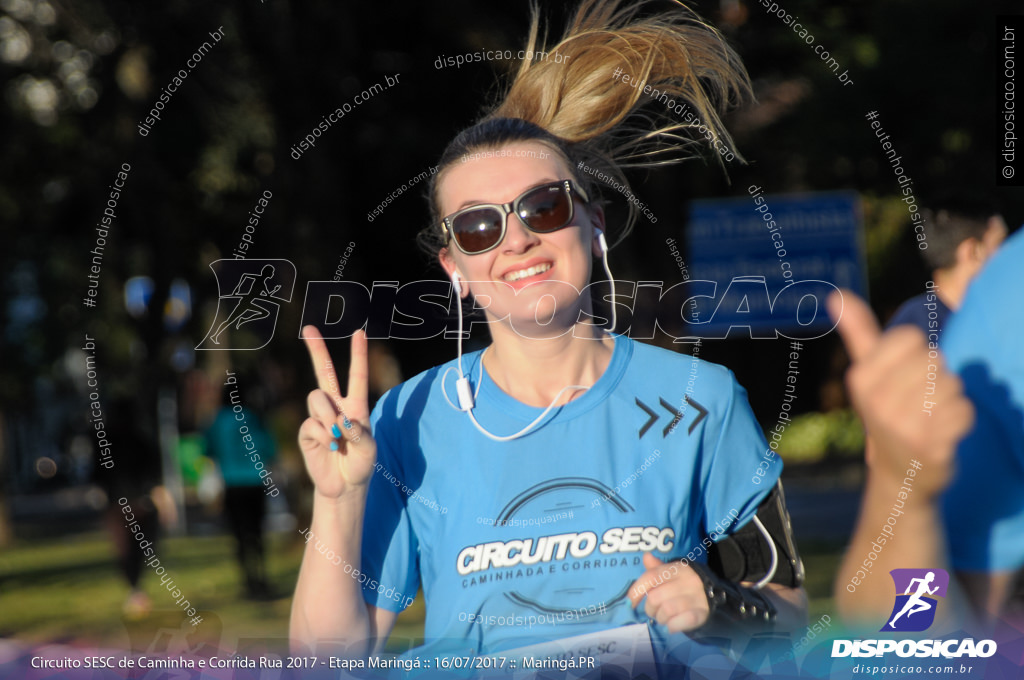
{"x": 963, "y": 232}
{"x": 965, "y": 512}
{"x": 243, "y": 449}
{"x": 136, "y": 476}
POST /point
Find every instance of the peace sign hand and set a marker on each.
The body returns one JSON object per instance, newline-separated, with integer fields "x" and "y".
{"x": 336, "y": 442}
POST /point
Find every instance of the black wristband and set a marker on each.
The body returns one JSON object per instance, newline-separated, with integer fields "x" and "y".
{"x": 732, "y": 603}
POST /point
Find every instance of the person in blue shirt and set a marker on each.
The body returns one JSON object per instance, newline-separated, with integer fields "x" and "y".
{"x": 965, "y": 512}
{"x": 963, "y": 233}
{"x": 982, "y": 346}
{"x": 562, "y": 481}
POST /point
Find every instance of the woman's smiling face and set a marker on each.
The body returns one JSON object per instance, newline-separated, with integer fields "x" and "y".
{"x": 534, "y": 280}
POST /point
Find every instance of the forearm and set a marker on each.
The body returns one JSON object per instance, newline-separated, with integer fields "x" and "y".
{"x": 887, "y": 537}
{"x": 328, "y": 604}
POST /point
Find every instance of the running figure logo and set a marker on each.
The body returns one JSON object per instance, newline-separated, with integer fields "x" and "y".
{"x": 258, "y": 287}
{"x": 914, "y": 610}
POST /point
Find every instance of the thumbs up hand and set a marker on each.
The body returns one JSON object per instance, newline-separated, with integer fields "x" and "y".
{"x": 675, "y": 595}
{"x": 891, "y": 377}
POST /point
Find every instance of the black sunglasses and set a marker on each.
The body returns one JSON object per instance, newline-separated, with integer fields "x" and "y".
{"x": 542, "y": 209}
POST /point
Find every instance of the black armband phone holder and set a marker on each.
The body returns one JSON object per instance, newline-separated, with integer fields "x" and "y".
{"x": 746, "y": 555}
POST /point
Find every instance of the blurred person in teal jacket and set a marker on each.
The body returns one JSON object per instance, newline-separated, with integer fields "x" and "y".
{"x": 243, "y": 449}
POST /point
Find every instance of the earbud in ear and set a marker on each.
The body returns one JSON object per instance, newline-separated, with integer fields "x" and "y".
{"x": 457, "y": 283}
{"x": 601, "y": 242}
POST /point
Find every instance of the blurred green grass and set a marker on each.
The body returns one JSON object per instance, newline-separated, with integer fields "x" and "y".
{"x": 70, "y": 591}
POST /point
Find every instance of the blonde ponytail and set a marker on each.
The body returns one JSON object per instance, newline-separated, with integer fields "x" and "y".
{"x": 672, "y": 58}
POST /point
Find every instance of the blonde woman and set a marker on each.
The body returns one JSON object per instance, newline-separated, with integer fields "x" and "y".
{"x": 522, "y": 486}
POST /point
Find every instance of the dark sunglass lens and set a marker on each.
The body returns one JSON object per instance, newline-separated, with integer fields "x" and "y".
{"x": 477, "y": 230}
{"x": 546, "y": 208}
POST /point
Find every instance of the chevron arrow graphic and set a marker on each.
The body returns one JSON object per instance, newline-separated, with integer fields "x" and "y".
{"x": 650, "y": 421}
{"x": 677, "y": 416}
{"x": 703, "y": 412}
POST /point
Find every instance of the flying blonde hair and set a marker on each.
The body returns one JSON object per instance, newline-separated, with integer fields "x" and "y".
{"x": 579, "y": 105}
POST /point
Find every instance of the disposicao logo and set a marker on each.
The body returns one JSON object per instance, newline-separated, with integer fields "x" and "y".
{"x": 257, "y": 288}
{"x": 917, "y": 600}
{"x": 914, "y": 610}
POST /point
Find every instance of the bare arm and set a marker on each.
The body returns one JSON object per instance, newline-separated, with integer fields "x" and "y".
{"x": 339, "y": 453}
{"x": 328, "y": 602}
{"x": 864, "y": 590}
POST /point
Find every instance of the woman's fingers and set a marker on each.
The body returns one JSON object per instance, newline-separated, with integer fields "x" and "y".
{"x": 352, "y": 431}
{"x": 358, "y": 377}
{"x": 313, "y": 431}
{"x": 326, "y": 377}
{"x": 674, "y": 595}
{"x": 335, "y": 439}
{"x": 322, "y": 408}
{"x": 687, "y": 621}
{"x": 657, "y": 572}
{"x": 354, "y": 405}
{"x": 337, "y": 427}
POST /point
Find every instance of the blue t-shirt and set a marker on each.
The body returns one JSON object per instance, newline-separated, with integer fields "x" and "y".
{"x": 553, "y": 525}
{"x": 927, "y": 311}
{"x": 984, "y": 507}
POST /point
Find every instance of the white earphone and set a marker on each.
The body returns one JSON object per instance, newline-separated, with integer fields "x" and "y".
{"x": 466, "y": 396}
{"x": 462, "y": 387}
{"x": 603, "y": 245}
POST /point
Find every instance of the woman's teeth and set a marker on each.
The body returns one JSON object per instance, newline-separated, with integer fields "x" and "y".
{"x": 531, "y": 271}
